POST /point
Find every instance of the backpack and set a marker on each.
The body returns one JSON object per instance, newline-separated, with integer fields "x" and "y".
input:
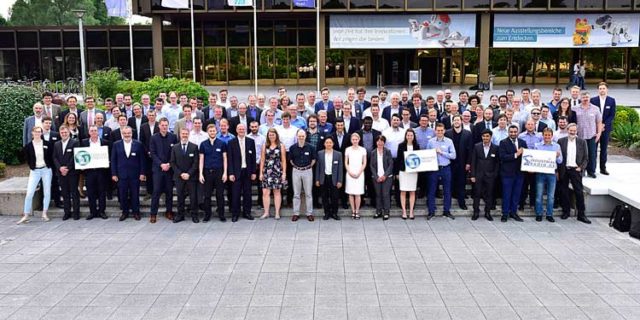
{"x": 620, "y": 218}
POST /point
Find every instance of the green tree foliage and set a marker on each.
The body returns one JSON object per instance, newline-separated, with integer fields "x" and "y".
{"x": 59, "y": 13}
{"x": 3, "y": 21}
{"x": 15, "y": 106}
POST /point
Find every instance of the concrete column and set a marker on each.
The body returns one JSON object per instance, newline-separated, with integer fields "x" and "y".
{"x": 485, "y": 40}
{"x": 156, "y": 34}
{"x": 321, "y": 51}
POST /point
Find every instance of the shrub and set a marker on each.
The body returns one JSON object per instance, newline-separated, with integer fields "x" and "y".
{"x": 626, "y": 133}
{"x": 15, "y": 105}
{"x": 104, "y": 82}
{"x": 157, "y": 84}
{"x": 626, "y": 114}
{"x": 3, "y": 168}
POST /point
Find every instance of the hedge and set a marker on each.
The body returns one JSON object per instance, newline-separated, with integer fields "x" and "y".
{"x": 626, "y": 114}
{"x": 16, "y": 104}
{"x": 154, "y": 86}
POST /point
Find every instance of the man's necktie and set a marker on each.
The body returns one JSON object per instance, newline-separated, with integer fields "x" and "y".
{"x": 184, "y": 149}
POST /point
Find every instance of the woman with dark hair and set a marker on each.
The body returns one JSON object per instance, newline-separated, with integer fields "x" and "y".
{"x": 408, "y": 180}
{"x": 273, "y": 172}
{"x": 75, "y": 129}
{"x": 381, "y": 166}
{"x": 564, "y": 109}
{"x": 39, "y": 155}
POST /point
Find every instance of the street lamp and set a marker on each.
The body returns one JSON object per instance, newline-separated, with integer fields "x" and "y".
{"x": 80, "y": 14}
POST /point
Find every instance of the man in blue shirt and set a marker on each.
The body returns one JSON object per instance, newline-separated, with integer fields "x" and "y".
{"x": 213, "y": 171}
{"x": 446, "y": 152}
{"x": 547, "y": 180}
{"x": 531, "y": 137}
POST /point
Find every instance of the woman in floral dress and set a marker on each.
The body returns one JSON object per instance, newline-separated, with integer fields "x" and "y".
{"x": 273, "y": 172}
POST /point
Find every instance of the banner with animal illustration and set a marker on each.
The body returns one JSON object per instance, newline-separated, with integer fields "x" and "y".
{"x": 407, "y": 31}
{"x": 567, "y": 30}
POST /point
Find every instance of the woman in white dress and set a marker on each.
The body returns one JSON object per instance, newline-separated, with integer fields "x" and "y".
{"x": 355, "y": 162}
{"x": 408, "y": 180}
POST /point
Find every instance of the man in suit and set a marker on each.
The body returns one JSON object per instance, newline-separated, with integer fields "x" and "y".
{"x": 103, "y": 132}
{"x": 487, "y": 123}
{"x": 341, "y": 141}
{"x": 485, "y": 165}
{"x": 607, "y": 106}
{"x": 575, "y": 158}
{"x": 325, "y": 104}
{"x": 96, "y": 186}
{"x": 208, "y": 112}
{"x": 147, "y": 131}
{"x": 30, "y": 122}
{"x": 72, "y": 103}
{"x": 186, "y": 121}
{"x": 67, "y": 175}
{"x": 242, "y": 171}
{"x": 50, "y": 137}
{"x": 417, "y": 109}
{"x": 360, "y": 104}
{"x": 241, "y": 118}
{"x": 184, "y": 161}
{"x": 351, "y": 123}
{"x": 160, "y": 151}
{"x": 451, "y": 110}
{"x": 393, "y": 108}
{"x": 88, "y": 116}
{"x": 136, "y": 121}
{"x": 406, "y": 122}
{"x": 510, "y": 151}
{"x": 116, "y": 135}
{"x": 195, "y": 112}
{"x": 462, "y": 142}
{"x": 50, "y": 109}
{"x": 329, "y": 175}
{"x": 336, "y": 112}
{"x": 127, "y": 170}
{"x": 368, "y": 139}
{"x": 538, "y": 126}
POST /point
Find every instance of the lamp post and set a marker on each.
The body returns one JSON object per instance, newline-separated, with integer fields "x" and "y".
{"x": 80, "y": 14}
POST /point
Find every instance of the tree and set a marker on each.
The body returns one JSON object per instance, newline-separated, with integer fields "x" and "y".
{"x": 3, "y": 21}
{"x": 59, "y": 13}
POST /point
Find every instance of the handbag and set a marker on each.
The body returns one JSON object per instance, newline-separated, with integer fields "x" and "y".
{"x": 620, "y": 218}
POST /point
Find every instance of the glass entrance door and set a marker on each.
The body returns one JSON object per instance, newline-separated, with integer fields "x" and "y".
{"x": 356, "y": 71}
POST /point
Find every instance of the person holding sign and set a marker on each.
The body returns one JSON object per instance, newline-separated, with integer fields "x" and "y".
{"x": 408, "y": 180}
{"x": 510, "y": 151}
{"x": 547, "y": 180}
{"x": 127, "y": 170}
{"x": 446, "y": 152}
{"x": 96, "y": 186}
{"x": 485, "y": 164}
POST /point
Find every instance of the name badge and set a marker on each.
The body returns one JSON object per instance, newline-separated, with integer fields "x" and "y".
{"x": 54, "y": 138}
{"x": 607, "y": 107}
{"x": 69, "y": 150}
{"x": 335, "y": 162}
{"x": 218, "y": 150}
{"x": 493, "y": 155}
{"x": 133, "y": 154}
{"x": 191, "y": 155}
{"x": 171, "y": 145}
{"x": 326, "y": 130}
{"x": 250, "y": 151}
{"x": 45, "y": 147}
{"x": 306, "y": 153}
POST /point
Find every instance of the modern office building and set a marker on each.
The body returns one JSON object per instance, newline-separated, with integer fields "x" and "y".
{"x": 363, "y": 42}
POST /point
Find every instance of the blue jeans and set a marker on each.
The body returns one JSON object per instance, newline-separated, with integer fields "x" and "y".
{"x": 34, "y": 177}
{"x": 443, "y": 173}
{"x": 511, "y": 189}
{"x": 592, "y": 150}
{"x": 549, "y": 181}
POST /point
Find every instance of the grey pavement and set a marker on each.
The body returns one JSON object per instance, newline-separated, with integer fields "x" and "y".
{"x": 365, "y": 269}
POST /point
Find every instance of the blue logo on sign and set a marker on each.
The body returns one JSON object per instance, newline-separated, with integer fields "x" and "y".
{"x": 412, "y": 161}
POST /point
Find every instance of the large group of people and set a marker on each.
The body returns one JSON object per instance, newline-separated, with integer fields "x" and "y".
{"x": 329, "y": 151}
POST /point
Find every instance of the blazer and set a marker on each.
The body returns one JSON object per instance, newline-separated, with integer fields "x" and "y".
{"x": 235, "y": 121}
{"x": 346, "y": 142}
{"x": 320, "y": 106}
{"x": 608, "y": 110}
{"x": 63, "y": 114}
{"x": 463, "y": 150}
{"x": 415, "y": 117}
{"x": 387, "y": 162}
{"x": 132, "y": 123}
{"x": 331, "y": 116}
{"x": 64, "y": 159}
{"x": 30, "y": 154}
{"x": 509, "y": 164}
{"x": 55, "y": 113}
{"x": 478, "y": 128}
{"x": 194, "y": 114}
{"x": 485, "y": 166}
{"x": 402, "y": 147}
{"x": 28, "y": 125}
{"x": 386, "y": 113}
{"x": 53, "y": 137}
{"x": 206, "y": 110}
{"x": 115, "y": 135}
{"x": 146, "y": 132}
{"x": 106, "y": 133}
{"x": 184, "y": 163}
{"x": 130, "y": 167}
{"x": 572, "y": 118}
{"x": 234, "y": 157}
{"x": 85, "y": 122}
{"x": 354, "y": 125}
{"x": 582, "y": 155}
{"x": 181, "y": 123}
{"x": 337, "y": 167}
{"x": 541, "y": 127}
{"x": 358, "y": 110}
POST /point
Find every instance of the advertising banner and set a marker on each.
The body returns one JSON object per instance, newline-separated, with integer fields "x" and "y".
{"x": 411, "y": 31}
{"x": 569, "y": 30}
{"x": 91, "y": 157}
{"x": 538, "y": 161}
{"x": 421, "y": 160}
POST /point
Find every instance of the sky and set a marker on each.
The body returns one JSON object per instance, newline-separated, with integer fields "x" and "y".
{"x": 6, "y": 4}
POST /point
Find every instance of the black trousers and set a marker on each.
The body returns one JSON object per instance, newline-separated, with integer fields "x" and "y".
{"x": 370, "y": 190}
{"x": 129, "y": 195}
{"x": 186, "y": 188}
{"x": 149, "y": 174}
{"x": 528, "y": 189}
{"x": 483, "y": 189}
{"x": 96, "y": 190}
{"x": 459, "y": 181}
{"x": 70, "y": 194}
{"x": 241, "y": 188}
{"x": 315, "y": 192}
{"x": 289, "y": 191}
{"x": 329, "y": 196}
{"x": 162, "y": 183}
{"x": 575, "y": 178}
{"x": 213, "y": 180}
{"x": 55, "y": 188}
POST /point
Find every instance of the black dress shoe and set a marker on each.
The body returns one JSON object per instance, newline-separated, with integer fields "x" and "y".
{"x": 463, "y": 207}
{"x": 104, "y": 216}
{"x": 448, "y": 215}
{"x": 206, "y": 218}
{"x": 430, "y": 215}
{"x": 66, "y": 216}
{"x": 584, "y": 219}
{"x": 378, "y": 215}
{"x": 90, "y": 217}
{"x": 178, "y": 219}
{"x": 503, "y": 219}
{"x": 195, "y": 219}
{"x": 122, "y": 217}
{"x": 538, "y": 218}
{"x": 137, "y": 216}
{"x": 336, "y": 217}
{"x": 234, "y": 219}
{"x": 591, "y": 175}
{"x": 564, "y": 216}
{"x": 475, "y": 215}
{"x": 488, "y": 216}
{"x": 551, "y": 219}
{"x": 326, "y": 217}
{"x": 521, "y": 207}
{"x": 605, "y": 172}
{"x": 516, "y": 217}
{"x": 76, "y": 216}
{"x": 223, "y": 219}
{"x": 248, "y": 216}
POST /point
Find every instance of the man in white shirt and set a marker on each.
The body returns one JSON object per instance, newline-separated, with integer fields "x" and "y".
{"x": 259, "y": 142}
{"x": 287, "y": 134}
{"x": 273, "y": 106}
{"x": 379, "y": 123}
{"x": 172, "y": 113}
{"x": 196, "y": 135}
{"x": 224, "y": 93}
{"x": 395, "y": 136}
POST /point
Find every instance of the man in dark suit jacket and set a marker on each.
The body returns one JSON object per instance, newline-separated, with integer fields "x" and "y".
{"x": 240, "y": 118}
{"x": 336, "y": 112}
{"x": 571, "y": 171}
{"x": 184, "y": 161}
{"x": 127, "y": 169}
{"x": 608, "y": 110}
{"x": 462, "y": 142}
{"x": 486, "y": 123}
{"x": 64, "y": 164}
{"x": 510, "y": 151}
{"x": 366, "y": 132}
{"x": 72, "y": 103}
{"x": 136, "y": 121}
{"x": 485, "y": 165}
{"x": 94, "y": 179}
{"x": 147, "y": 131}
{"x": 241, "y": 171}
{"x": 416, "y": 111}
{"x": 116, "y": 135}
{"x": 329, "y": 185}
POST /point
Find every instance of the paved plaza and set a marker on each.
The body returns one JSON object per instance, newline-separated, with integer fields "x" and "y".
{"x": 366, "y": 269}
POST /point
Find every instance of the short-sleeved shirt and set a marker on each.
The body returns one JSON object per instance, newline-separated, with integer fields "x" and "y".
{"x": 587, "y": 120}
{"x": 213, "y": 158}
{"x": 302, "y": 156}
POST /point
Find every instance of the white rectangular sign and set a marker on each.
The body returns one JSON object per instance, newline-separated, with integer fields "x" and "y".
{"x": 567, "y": 30}
{"x": 421, "y": 160}
{"x": 540, "y": 161}
{"x": 91, "y": 157}
{"x": 410, "y": 31}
